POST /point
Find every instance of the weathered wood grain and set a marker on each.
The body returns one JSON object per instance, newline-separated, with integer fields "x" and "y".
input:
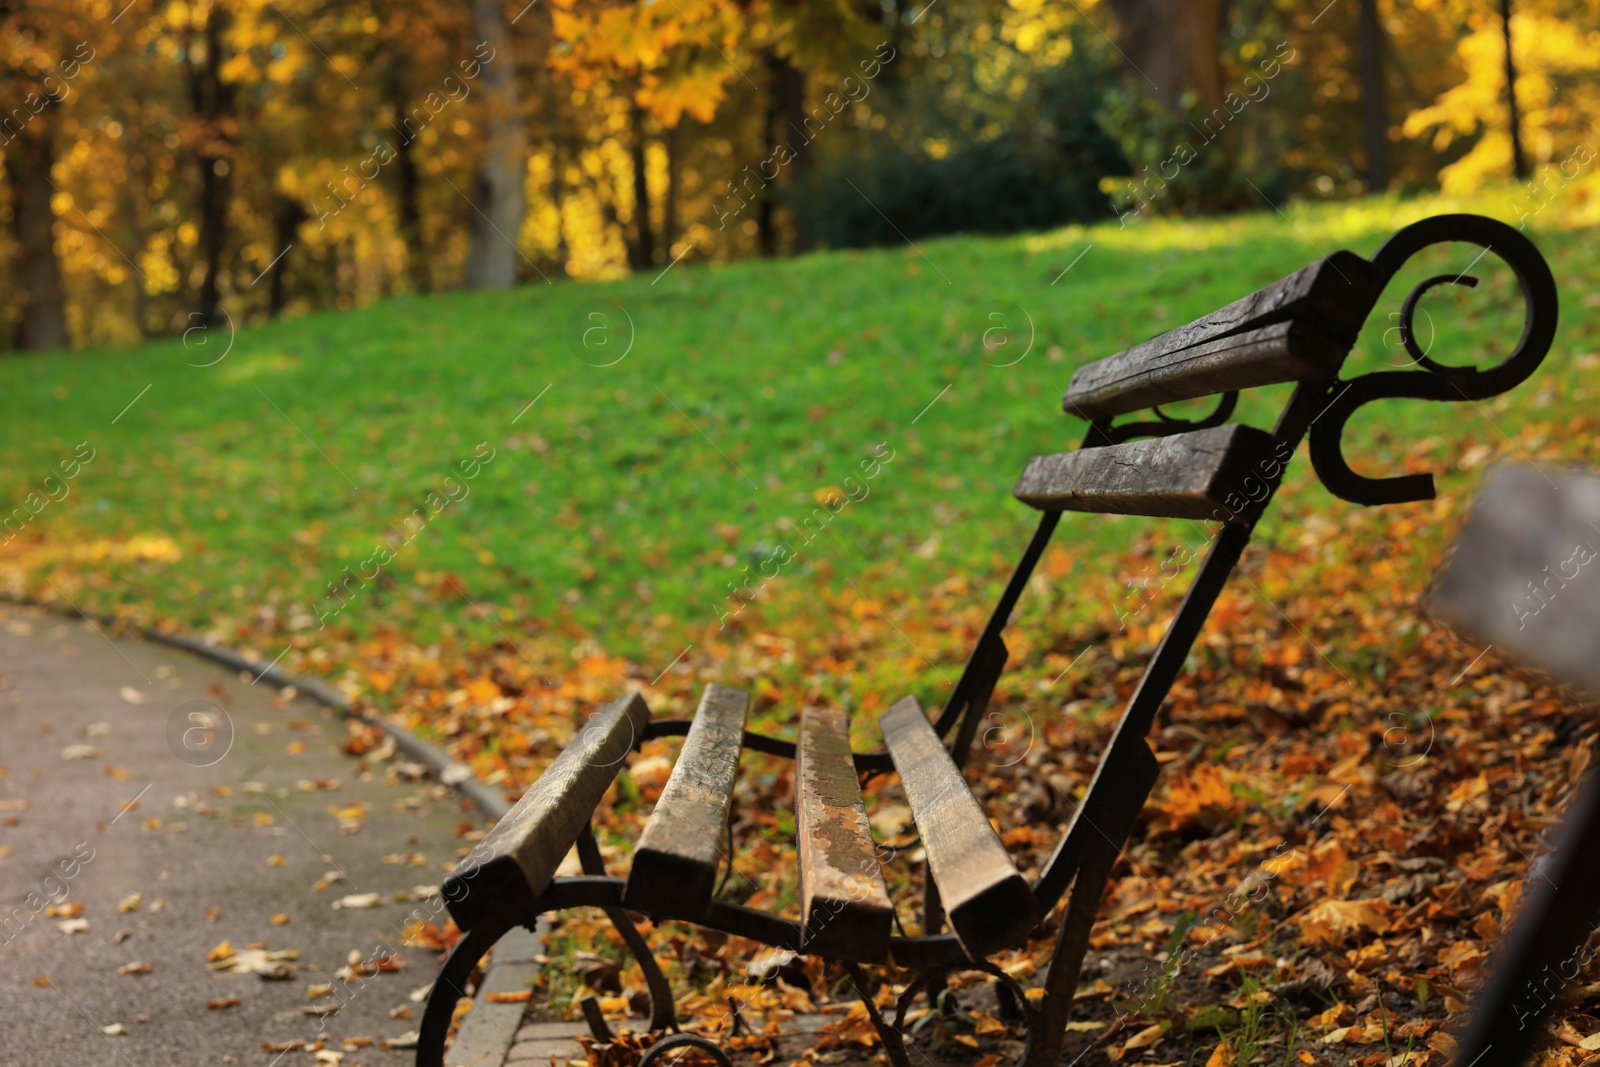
{"x": 521, "y": 854}
{"x": 1524, "y": 575}
{"x": 989, "y": 905}
{"x": 1299, "y": 327}
{"x": 674, "y": 869}
{"x": 1212, "y": 473}
{"x": 844, "y": 904}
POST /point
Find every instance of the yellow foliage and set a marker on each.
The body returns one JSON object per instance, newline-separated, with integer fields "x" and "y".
{"x": 1557, "y": 63}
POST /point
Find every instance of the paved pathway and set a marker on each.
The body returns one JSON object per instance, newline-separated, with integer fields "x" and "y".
{"x": 84, "y": 730}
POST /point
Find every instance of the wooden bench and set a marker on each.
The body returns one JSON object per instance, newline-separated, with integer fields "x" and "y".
{"x": 1525, "y": 577}
{"x": 1298, "y": 330}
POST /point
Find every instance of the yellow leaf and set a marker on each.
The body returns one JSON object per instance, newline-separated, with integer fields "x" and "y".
{"x": 986, "y": 1024}
{"x": 1330, "y": 920}
{"x": 1145, "y": 1038}
{"x": 1222, "y": 1056}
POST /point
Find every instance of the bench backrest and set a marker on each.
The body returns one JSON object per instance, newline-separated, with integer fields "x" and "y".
{"x": 1297, "y": 330}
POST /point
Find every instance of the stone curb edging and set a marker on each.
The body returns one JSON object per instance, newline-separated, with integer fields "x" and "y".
{"x": 479, "y": 1036}
{"x": 451, "y": 773}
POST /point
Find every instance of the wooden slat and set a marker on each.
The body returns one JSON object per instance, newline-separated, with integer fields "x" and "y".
{"x": 675, "y": 865}
{"x": 844, "y": 904}
{"x": 989, "y": 904}
{"x": 1525, "y": 574}
{"x": 520, "y": 855}
{"x": 1195, "y": 475}
{"x": 1297, "y": 328}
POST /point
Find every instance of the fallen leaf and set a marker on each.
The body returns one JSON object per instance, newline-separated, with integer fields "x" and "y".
{"x": 69, "y": 909}
{"x": 134, "y": 968}
{"x": 359, "y": 900}
{"x": 1342, "y": 1035}
{"x": 130, "y": 902}
{"x": 280, "y": 919}
{"x": 73, "y": 926}
{"x": 521, "y": 996}
{"x": 1223, "y": 1056}
{"x": 1145, "y": 1038}
{"x": 131, "y": 695}
{"x": 82, "y": 752}
{"x": 221, "y": 1003}
{"x": 114, "y": 1030}
{"x": 1330, "y": 920}
{"x": 269, "y": 966}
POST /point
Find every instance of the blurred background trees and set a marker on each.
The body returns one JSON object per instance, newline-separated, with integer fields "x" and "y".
{"x": 167, "y": 164}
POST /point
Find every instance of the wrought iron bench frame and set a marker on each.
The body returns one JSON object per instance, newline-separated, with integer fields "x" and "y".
{"x": 1298, "y": 330}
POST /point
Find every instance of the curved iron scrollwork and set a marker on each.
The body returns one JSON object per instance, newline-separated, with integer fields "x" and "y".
{"x": 695, "y": 1041}
{"x": 1166, "y": 424}
{"x": 1436, "y": 381}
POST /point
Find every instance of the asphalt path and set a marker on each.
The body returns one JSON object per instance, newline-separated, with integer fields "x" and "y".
{"x": 182, "y": 806}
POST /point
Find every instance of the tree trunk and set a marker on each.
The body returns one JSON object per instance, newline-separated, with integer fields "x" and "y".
{"x": 642, "y": 255}
{"x": 1174, "y": 46}
{"x": 212, "y": 101}
{"x": 409, "y": 195}
{"x": 1519, "y": 161}
{"x": 136, "y": 202}
{"x": 669, "y": 208}
{"x": 287, "y": 215}
{"x": 36, "y": 273}
{"x": 558, "y": 180}
{"x": 1374, "y": 118}
{"x": 499, "y": 191}
{"x": 408, "y": 183}
{"x": 766, "y": 223}
{"x": 791, "y": 90}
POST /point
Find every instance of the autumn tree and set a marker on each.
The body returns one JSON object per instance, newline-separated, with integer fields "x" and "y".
{"x": 42, "y": 53}
{"x": 498, "y": 189}
{"x": 1175, "y": 46}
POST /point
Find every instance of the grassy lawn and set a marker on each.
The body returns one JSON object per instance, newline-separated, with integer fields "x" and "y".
{"x": 631, "y": 497}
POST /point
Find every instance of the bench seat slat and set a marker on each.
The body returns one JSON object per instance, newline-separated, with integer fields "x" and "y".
{"x": 674, "y": 869}
{"x": 520, "y": 855}
{"x": 1182, "y": 476}
{"x": 1299, "y": 327}
{"x": 990, "y": 905}
{"x": 844, "y": 904}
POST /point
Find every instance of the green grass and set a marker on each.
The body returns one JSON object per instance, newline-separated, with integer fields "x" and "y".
{"x": 624, "y": 503}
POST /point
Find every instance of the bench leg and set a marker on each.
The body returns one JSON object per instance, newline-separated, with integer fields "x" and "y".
{"x": 1548, "y": 939}
{"x": 450, "y": 987}
{"x": 894, "y": 1043}
{"x": 663, "y": 1015}
{"x": 1047, "y": 1022}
